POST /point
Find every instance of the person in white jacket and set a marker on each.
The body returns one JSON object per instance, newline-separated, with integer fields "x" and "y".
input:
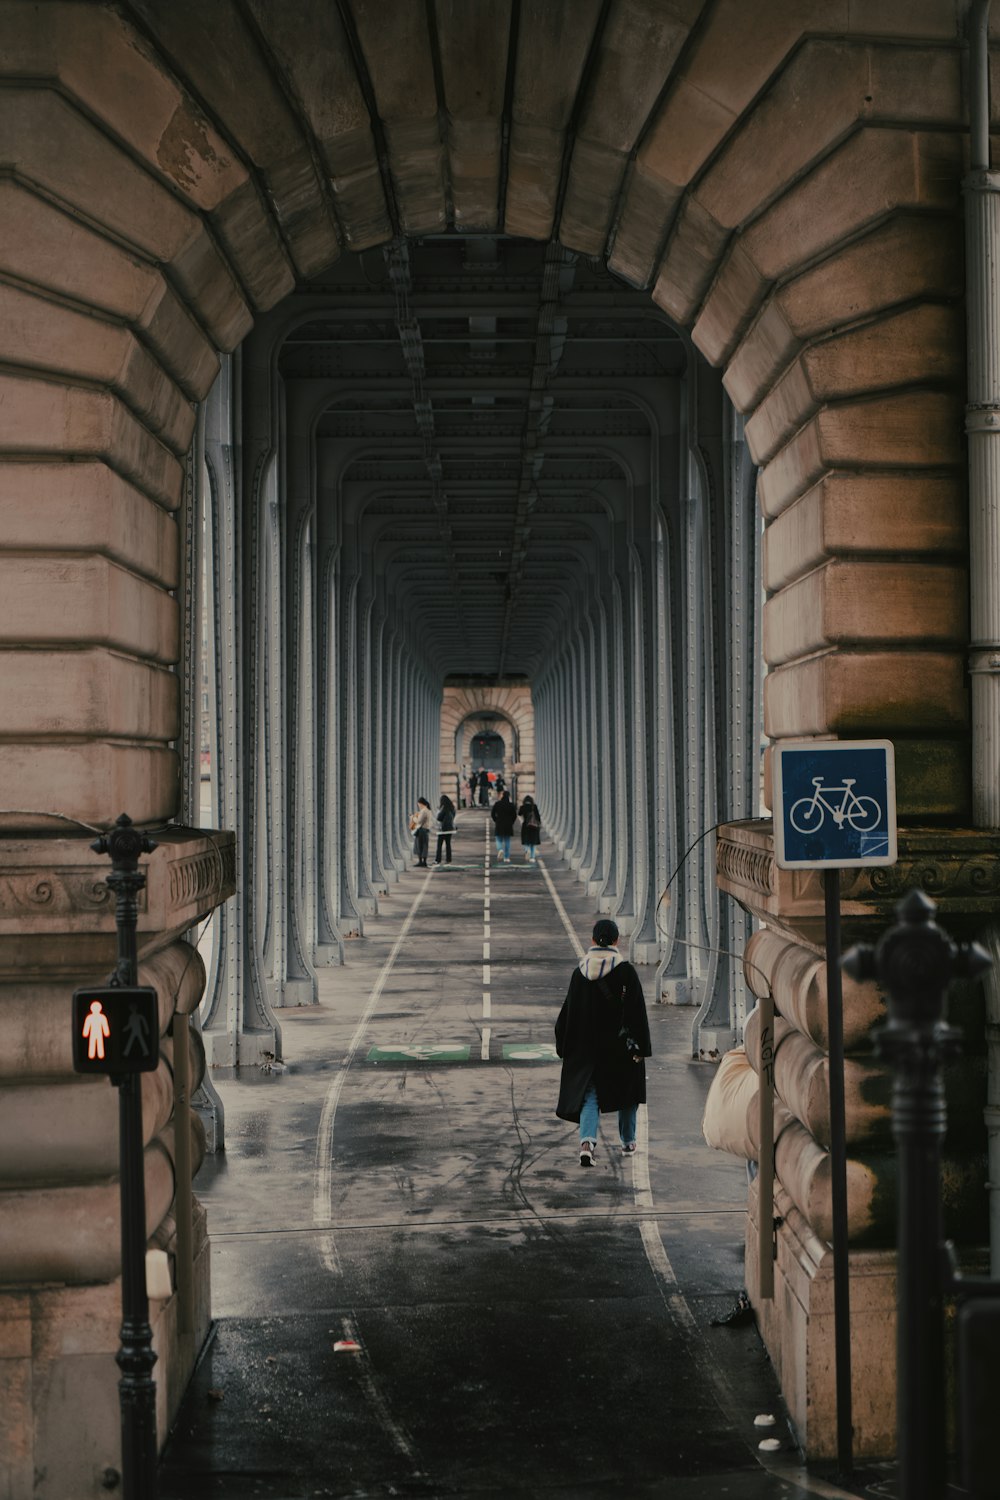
{"x": 420, "y": 823}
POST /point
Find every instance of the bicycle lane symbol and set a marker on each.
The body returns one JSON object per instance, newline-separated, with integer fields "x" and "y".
{"x": 808, "y": 814}
{"x": 835, "y": 804}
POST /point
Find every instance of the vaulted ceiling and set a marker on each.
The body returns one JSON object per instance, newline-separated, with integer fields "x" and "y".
{"x": 485, "y": 389}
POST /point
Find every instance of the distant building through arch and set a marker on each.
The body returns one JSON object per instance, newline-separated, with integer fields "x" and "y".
{"x": 473, "y": 709}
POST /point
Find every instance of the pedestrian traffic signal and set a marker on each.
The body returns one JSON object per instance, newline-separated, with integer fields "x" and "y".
{"x": 115, "y": 1030}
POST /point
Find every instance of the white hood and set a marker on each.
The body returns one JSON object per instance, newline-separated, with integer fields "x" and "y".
{"x": 597, "y": 962}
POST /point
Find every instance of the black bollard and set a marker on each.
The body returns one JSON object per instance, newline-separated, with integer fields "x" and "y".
{"x": 915, "y": 961}
{"x": 135, "y": 1358}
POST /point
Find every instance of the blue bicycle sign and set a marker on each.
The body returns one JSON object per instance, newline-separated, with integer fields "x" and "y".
{"x": 834, "y": 804}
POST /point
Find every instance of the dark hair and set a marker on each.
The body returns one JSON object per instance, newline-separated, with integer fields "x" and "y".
{"x": 605, "y": 932}
{"x": 422, "y": 802}
{"x": 446, "y": 802}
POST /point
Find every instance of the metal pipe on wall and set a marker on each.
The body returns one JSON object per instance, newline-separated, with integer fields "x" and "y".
{"x": 982, "y": 425}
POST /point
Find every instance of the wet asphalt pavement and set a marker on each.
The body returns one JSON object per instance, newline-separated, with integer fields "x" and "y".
{"x": 524, "y": 1327}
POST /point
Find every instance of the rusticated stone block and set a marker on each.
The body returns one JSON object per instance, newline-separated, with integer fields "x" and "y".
{"x": 91, "y": 509}
{"x": 872, "y": 174}
{"x": 912, "y": 430}
{"x": 648, "y": 212}
{"x": 693, "y": 252}
{"x": 43, "y": 417}
{"x": 100, "y": 274}
{"x": 917, "y": 344}
{"x": 826, "y": 88}
{"x": 34, "y": 1008}
{"x": 52, "y": 338}
{"x": 87, "y": 601}
{"x": 533, "y": 168}
{"x": 933, "y": 777}
{"x": 797, "y": 1327}
{"x": 253, "y": 244}
{"x": 314, "y": 54}
{"x": 802, "y": 1082}
{"x": 251, "y": 105}
{"x": 93, "y": 54}
{"x": 95, "y": 693}
{"x": 856, "y": 603}
{"x": 903, "y": 260}
{"x": 796, "y": 976}
{"x": 866, "y": 692}
{"x": 84, "y": 780}
{"x": 418, "y": 172}
{"x": 851, "y": 514}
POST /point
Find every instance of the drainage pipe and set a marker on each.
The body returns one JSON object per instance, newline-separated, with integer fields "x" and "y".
{"x": 982, "y": 425}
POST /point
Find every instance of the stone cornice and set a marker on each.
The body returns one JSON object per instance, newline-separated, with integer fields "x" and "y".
{"x": 959, "y": 868}
{"x": 57, "y": 914}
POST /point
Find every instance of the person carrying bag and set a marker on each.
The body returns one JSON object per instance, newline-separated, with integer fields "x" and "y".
{"x": 602, "y": 1036}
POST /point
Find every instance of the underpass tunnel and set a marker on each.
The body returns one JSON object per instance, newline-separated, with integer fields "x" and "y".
{"x": 478, "y": 475}
{"x": 588, "y": 371}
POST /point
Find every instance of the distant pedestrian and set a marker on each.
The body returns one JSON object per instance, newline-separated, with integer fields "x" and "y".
{"x": 504, "y": 815}
{"x": 531, "y": 828}
{"x": 446, "y": 827}
{"x": 473, "y": 780}
{"x": 420, "y": 825}
{"x": 484, "y": 788}
{"x": 602, "y": 1036}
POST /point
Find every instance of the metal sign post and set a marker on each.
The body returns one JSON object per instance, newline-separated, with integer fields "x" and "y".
{"x": 835, "y": 808}
{"x": 115, "y": 1032}
{"x": 765, "y": 1150}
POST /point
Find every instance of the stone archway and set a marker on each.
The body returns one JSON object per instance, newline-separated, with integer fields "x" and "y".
{"x": 503, "y": 709}
{"x": 788, "y": 195}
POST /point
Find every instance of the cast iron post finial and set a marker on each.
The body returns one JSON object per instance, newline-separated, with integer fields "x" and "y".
{"x": 124, "y": 842}
{"x": 914, "y": 962}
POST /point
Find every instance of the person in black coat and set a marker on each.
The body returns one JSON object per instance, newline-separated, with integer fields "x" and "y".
{"x": 446, "y": 827}
{"x": 504, "y": 815}
{"x": 602, "y": 1070}
{"x": 531, "y": 828}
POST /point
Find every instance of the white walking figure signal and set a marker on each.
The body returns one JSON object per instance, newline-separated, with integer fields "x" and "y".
{"x": 808, "y": 814}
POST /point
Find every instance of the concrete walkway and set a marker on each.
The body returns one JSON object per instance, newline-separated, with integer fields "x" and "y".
{"x": 514, "y": 1325}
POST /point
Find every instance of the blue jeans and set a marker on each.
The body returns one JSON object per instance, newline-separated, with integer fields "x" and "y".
{"x": 503, "y": 844}
{"x": 590, "y": 1115}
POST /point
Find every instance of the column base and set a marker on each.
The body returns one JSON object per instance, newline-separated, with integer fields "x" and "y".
{"x": 60, "y": 1423}
{"x": 328, "y": 955}
{"x": 299, "y": 992}
{"x": 798, "y": 1332}
{"x": 681, "y": 991}
{"x": 713, "y": 1041}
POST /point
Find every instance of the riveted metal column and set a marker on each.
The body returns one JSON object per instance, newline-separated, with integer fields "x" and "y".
{"x": 239, "y": 1024}
{"x": 982, "y": 423}
{"x": 665, "y": 912}
{"x": 298, "y": 980}
{"x": 329, "y": 942}
{"x": 574, "y": 743}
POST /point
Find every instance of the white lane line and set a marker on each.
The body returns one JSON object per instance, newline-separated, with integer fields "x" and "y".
{"x": 486, "y": 950}
{"x": 561, "y": 909}
{"x": 486, "y": 973}
{"x": 487, "y": 1004}
{"x": 485, "y": 1053}
{"x": 323, "y": 1190}
{"x": 656, "y": 1255}
{"x": 376, "y": 1400}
